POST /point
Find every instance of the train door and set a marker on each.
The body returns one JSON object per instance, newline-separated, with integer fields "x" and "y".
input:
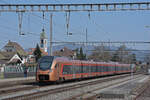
{"x": 81, "y": 70}
{"x": 58, "y": 68}
{"x": 115, "y": 69}
{"x": 73, "y": 70}
{"x": 56, "y": 71}
{"x": 59, "y": 72}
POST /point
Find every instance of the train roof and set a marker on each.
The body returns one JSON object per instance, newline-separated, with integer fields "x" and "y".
{"x": 67, "y": 60}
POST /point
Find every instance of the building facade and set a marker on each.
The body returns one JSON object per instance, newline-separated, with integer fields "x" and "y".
{"x": 12, "y": 53}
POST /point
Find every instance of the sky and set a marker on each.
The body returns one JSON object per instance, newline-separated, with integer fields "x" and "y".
{"x": 101, "y": 26}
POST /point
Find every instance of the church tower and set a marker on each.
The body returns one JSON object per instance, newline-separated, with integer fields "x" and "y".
{"x": 43, "y": 41}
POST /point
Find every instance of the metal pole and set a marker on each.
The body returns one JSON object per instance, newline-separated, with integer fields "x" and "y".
{"x": 51, "y": 16}
{"x": 86, "y": 36}
{"x": 86, "y": 43}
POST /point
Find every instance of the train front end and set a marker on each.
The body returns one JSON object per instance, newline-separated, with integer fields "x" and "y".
{"x": 44, "y": 69}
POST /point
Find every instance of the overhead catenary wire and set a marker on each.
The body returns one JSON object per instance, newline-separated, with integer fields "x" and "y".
{"x": 15, "y": 29}
{"x": 46, "y": 20}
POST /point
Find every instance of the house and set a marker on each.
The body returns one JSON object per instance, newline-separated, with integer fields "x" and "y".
{"x": 65, "y": 52}
{"x": 12, "y": 53}
{"x": 10, "y": 58}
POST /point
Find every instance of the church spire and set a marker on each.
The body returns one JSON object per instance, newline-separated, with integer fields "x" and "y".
{"x": 43, "y": 40}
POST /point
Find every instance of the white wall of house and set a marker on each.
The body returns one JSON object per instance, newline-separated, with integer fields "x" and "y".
{"x": 16, "y": 57}
{"x": 24, "y": 60}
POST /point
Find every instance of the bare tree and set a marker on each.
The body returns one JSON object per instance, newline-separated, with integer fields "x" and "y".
{"x": 100, "y": 53}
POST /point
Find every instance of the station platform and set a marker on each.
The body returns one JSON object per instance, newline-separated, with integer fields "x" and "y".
{"x": 8, "y": 80}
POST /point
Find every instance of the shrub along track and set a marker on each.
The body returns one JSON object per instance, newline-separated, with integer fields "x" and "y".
{"x": 41, "y": 93}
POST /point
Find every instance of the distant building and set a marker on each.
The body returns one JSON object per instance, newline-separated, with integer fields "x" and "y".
{"x": 43, "y": 41}
{"x": 31, "y": 58}
{"x": 65, "y": 52}
{"x": 43, "y": 48}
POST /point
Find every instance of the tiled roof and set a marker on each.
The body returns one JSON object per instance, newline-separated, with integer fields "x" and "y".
{"x": 14, "y": 61}
{"x": 1, "y": 56}
{"x": 3, "y": 61}
{"x": 18, "y": 48}
{"x": 7, "y": 55}
{"x": 64, "y": 52}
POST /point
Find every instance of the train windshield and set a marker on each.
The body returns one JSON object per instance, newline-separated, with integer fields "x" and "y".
{"x": 46, "y": 62}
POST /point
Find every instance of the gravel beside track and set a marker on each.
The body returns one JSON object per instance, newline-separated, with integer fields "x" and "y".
{"x": 58, "y": 91}
{"x": 143, "y": 92}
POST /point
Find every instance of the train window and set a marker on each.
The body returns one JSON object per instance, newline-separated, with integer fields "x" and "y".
{"x": 114, "y": 68}
{"x": 67, "y": 69}
{"x": 93, "y": 68}
{"x": 90, "y": 69}
{"x": 84, "y": 69}
{"x": 104, "y": 68}
{"x": 96, "y": 69}
{"x": 77, "y": 69}
{"x": 73, "y": 69}
{"x": 87, "y": 69}
{"x": 117, "y": 68}
{"x": 99, "y": 68}
{"x": 109, "y": 68}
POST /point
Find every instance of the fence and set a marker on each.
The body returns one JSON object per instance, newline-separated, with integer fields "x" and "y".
{"x": 17, "y": 71}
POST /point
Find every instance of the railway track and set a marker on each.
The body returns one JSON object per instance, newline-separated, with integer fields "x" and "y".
{"x": 37, "y": 93}
{"x": 92, "y": 95}
{"x": 15, "y": 89}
